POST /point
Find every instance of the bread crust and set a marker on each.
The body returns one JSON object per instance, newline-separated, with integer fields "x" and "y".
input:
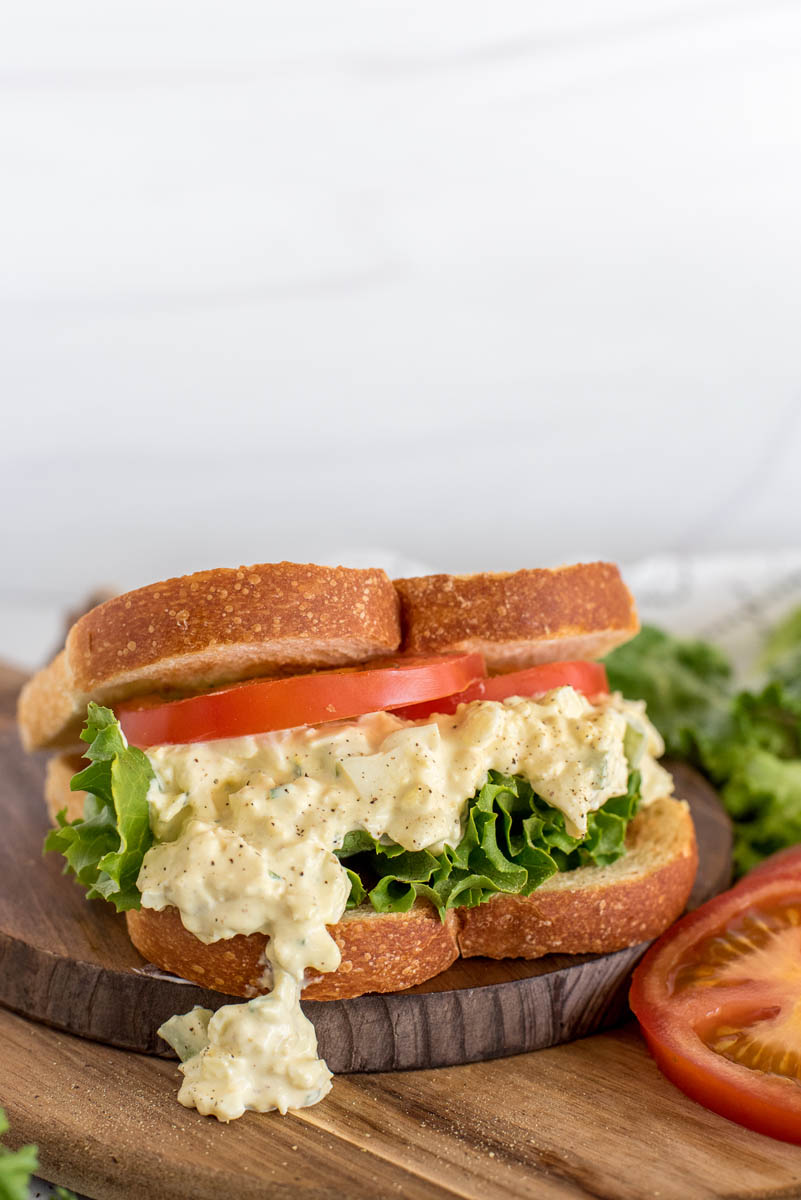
{"x": 47, "y": 706}
{"x": 207, "y": 629}
{"x": 381, "y": 952}
{"x": 58, "y": 796}
{"x": 591, "y": 910}
{"x": 595, "y": 910}
{"x": 521, "y": 618}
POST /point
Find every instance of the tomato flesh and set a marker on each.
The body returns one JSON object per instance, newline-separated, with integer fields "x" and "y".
{"x": 587, "y": 677}
{"x": 264, "y": 705}
{"x": 768, "y": 1034}
{"x": 719, "y": 1001}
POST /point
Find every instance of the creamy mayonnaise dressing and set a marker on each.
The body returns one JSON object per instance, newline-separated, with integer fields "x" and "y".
{"x": 246, "y": 830}
{"x": 259, "y": 1056}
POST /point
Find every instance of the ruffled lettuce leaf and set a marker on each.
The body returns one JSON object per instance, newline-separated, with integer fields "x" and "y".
{"x": 763, "y": 798}
{"x": 686, "y": 686}
{"x": 16, "y": 1167}
{"x": 769, "y": 720}
{"x": 512, "y": 842}
{"x": 781, "y": 653}
{"x": 747, "y": 742}
{"x": 104, "y": 849}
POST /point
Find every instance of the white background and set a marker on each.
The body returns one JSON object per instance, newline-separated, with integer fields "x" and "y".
{"x": 482, "y": 285}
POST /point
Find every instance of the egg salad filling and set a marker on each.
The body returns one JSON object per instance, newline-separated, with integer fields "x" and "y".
{"x": 277, "y": 833}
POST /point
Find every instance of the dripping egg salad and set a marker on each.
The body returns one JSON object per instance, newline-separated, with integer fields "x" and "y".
{"x": 483, "y": 785}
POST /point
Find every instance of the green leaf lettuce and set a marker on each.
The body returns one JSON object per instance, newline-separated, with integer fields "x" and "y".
{"x": 104, "y": 849}
{"x": 747, "y": 742}
{"x": 513, "y": 841}
{"x": 16, "y": 1167}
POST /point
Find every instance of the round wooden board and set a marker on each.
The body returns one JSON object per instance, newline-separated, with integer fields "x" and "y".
{"x": 70, "y": 964}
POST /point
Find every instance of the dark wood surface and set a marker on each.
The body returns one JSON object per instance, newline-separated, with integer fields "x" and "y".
{"x": 69, "y": 963}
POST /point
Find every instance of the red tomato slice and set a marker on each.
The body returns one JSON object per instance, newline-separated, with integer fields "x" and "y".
{"x": 587, "y": 677}
{"x": 719, "y": 1001}
{"x": 263, "y": 705}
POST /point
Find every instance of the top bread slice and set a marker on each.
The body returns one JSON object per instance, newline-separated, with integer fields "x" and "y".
{"x": 216, "y": 627}
{"x": 208, "y": 629}
{"x": 521, "y": 618}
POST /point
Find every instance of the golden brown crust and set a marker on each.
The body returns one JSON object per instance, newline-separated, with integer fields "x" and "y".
{"x": 591, "y": 910}
{"x": 595, "y": 910}
{"x": 46, "y": 704}
{"x": 380, "y": 953}
{"x": 60, "y": 770}
{"x": 207, "y": 629}
{"x": 517, "y": 619}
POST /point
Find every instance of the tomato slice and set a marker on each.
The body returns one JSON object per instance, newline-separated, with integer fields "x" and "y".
{"x": 782, "y": 863}
{"x": 262, "y": 705}
{"x": 719, "y": 1001}
{"x": 587, "y": 677}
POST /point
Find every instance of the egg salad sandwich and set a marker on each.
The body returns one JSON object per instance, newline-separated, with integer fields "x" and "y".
{"x": 312, "y": 781}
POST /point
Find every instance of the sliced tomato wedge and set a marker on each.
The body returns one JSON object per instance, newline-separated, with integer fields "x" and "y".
{"x": 587, "y": 677}
{"x": 263, "y": 705}
{"x": 719, "y": 1001}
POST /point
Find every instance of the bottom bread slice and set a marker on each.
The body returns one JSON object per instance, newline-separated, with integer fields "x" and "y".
{"x": 592, "y": 910}
{"x": 589, "y": 910}
{"x": 595, "y": 910}
{"x": 381, "y": 952}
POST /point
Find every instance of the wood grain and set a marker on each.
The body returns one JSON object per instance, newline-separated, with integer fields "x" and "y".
{"x": 590, "y": 1119}
{"x": 70, "y": 963}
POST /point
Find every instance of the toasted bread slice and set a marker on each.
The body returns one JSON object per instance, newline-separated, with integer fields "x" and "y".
{"x": 521, "y": 618}
{"x": 58, "y": 797}
{"x": 590, "y": 910}
{"x": 204, "y": 630}
{"x": 595, "y": 910}
{"x": 381, "y": 952}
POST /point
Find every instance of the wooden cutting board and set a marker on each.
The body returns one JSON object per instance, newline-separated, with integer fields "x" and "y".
{"x": 592, "y": 1118}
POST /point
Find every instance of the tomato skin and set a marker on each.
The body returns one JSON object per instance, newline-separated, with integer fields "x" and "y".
{"x": 264, "y": 705}
{"x": 767, "y": 1106}
{"x": 674, "y": 1020}
{"x": 587, "y": 677}
{"x": 783, "y": 862}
